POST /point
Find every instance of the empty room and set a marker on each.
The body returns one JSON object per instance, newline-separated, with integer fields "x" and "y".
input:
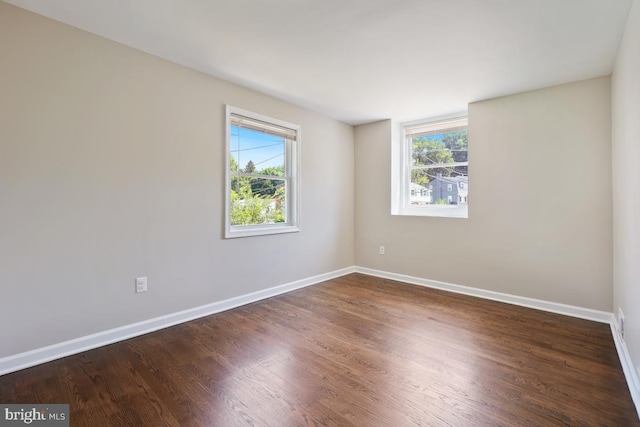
{"x": 287, "y": 213}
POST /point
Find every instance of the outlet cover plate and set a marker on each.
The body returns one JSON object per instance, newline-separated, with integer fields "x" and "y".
{"x": 621, "y": 323}
{"x": 141, "y": 284}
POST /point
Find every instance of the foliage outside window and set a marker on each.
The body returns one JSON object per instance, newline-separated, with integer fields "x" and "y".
{"x": 431, "y": 173}
{"x": 262, "y": 161}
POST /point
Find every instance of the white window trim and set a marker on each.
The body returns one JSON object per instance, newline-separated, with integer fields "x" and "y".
{"x": 292, "y": 165}
{"x": 400, "y": 177}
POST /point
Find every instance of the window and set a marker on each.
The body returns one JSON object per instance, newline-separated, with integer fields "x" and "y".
{"x": 261, "y": 175}
{"x": 431, "y": 154}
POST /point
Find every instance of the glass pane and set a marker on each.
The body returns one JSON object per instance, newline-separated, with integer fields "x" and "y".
{"x": 257, "y": 152}
{"x": 435, "y": 184}
{"x": 257, "y": 201}
{"x": 438, "y": 189}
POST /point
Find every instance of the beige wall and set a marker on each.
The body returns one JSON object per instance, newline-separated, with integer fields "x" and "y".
{"x": 540, "y": 219}
{"x": 626, "y": 182}
{"x": 111, "y": 167}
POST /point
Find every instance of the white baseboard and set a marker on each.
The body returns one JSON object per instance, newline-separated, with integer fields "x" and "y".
{"x": 629, "y": 370}
{"x": 553, "y": 307}
{"x": 46, "y": 354}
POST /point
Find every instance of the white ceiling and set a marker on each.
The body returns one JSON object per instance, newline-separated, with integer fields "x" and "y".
{"x": 366, "y": 60}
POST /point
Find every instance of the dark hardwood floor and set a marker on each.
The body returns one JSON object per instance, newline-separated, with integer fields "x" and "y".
{"x": 354, "y": 351}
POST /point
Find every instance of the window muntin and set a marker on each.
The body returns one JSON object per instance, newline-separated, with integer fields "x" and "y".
{"x": 262, "y": 179}
{"x": 431, "y": 155}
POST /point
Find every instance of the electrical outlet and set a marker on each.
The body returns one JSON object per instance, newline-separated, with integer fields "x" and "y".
{"x": 381, "y": 250}
{"x": 141, "y": 284}
{"x": 621, "y": 322}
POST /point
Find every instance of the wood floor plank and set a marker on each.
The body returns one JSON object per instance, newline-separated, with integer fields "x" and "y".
{"x": 353, "y": 351}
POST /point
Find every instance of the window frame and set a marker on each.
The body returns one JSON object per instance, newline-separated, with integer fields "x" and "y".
{"x": 291, "y": 179}
{"x": 401, "y": 165}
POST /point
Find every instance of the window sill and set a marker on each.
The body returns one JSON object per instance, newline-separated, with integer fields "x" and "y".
{"x": 259, "y": 230}
{"x": 442, "y": 211}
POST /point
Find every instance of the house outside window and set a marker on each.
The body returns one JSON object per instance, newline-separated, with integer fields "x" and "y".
{"x": 262, "y": 159}
{"x": 432, "y": 155}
